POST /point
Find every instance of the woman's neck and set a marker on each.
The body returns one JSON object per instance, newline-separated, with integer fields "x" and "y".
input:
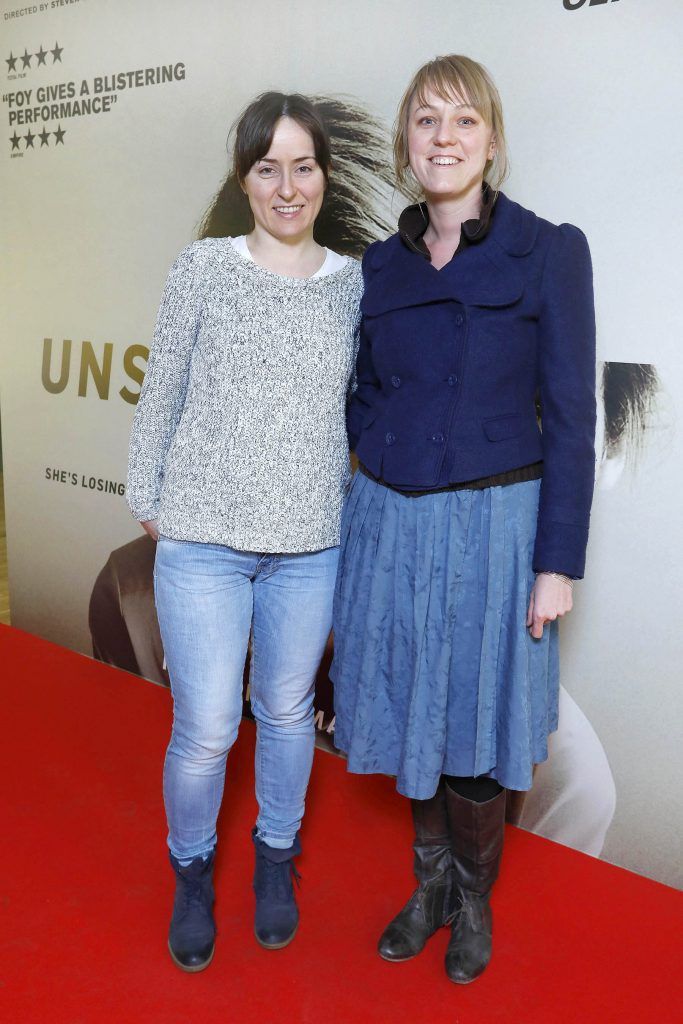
{"x": 291, "y": 257}
{"x": 446, "y": 217}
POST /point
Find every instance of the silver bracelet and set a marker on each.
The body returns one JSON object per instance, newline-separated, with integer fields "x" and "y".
{"x": 559, "y": 576}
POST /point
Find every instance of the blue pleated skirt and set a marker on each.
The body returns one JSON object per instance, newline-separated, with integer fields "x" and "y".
{"x": 434, "y": 669}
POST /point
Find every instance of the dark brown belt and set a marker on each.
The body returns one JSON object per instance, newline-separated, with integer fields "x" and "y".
{"x": 534, "y": 471}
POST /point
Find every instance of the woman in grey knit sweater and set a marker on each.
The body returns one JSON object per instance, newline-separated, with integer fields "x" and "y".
{"x": 238, "y": 466}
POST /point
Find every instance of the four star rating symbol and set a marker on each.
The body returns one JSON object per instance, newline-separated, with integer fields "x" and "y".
{"x": 40, "y": 55}
{"x": 44, "y": 136}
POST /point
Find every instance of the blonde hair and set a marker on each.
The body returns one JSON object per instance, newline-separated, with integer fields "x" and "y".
{"x": 452, "y": 77}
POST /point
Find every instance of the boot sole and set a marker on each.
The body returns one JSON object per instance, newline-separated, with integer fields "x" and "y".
{"x": 276, "y": 945}
{"x": 196, "y": 967}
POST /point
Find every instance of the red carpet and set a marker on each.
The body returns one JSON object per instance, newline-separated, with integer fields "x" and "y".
{"x": 86, "y": 888}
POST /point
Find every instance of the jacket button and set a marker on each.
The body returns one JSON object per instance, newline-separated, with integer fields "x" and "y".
{"x": 438, "y": 438}
{"x": 390, "y": 438}
{"x": 396, "y": 382}
{"x": 452, "y": 380}
{"x": 460, "y": 319}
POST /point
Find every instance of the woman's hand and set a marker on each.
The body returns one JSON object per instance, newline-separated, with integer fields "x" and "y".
{"x": 150, "y": 527}
{"x": 550, "y": 596}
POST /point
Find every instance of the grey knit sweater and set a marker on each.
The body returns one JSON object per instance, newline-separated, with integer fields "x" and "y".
{"x": 239, "y": 436}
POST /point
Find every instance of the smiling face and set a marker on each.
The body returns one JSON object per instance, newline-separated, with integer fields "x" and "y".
{"x": 285, "y": 188}
{"x": 449, "y": 146}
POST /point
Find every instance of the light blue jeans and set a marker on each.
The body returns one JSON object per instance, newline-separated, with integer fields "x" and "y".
{"x": 210, "y": 599}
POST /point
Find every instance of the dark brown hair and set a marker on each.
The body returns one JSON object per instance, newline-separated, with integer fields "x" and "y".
{"x": 255, "y": 127}
{"x": 629, "y": 392}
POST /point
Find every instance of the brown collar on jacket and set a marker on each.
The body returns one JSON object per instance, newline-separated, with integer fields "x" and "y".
{"x": 414, "y": 221}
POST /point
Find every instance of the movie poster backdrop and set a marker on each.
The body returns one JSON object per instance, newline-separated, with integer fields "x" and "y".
{"x": 116, "y": 117}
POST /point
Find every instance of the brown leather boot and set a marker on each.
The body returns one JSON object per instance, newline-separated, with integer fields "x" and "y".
{"x": 477, "y": 843}
{"x": 430, "y": 906}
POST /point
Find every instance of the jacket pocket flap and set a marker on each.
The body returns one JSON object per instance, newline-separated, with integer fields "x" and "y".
{"x": 502, "y": 427}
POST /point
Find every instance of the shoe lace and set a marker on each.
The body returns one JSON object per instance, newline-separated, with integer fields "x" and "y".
{"x": 276, "y": 879}
{"x": 471, "y": 909}
{"x": 193, "y": 897}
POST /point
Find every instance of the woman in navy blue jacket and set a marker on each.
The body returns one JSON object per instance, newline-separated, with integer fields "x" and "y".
{"x": 467, "y": 522}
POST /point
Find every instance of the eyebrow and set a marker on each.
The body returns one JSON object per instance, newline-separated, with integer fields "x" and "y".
{"x": 459, "y": 106}
{"x": 297, "y": 160}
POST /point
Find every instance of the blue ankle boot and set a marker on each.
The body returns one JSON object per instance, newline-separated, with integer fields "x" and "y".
{"x": 277, "y": 915}
{"x": 192, "y": 933}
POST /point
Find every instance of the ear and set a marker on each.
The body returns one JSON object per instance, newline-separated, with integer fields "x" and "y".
{"x": 492, "y": 146}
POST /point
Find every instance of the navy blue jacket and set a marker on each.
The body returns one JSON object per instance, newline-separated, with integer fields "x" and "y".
{"x": 450, "y": 363}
